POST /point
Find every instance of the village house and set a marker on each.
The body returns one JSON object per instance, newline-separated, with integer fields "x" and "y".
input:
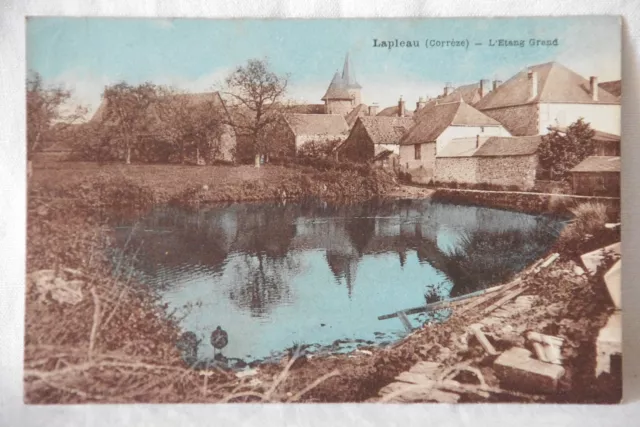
{"x": 376, "y": 136}
{"x": 318, "y": 129}
{"x": 597, "y": 176}
{"x": 398, "y": 110}
{"x": 547, "y": 95}
{"x": 438, "y": 124}
{"x": 469, "y": 93}
{"x": 505, "y": 161}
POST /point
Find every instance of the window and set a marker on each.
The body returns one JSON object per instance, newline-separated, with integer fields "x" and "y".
{"x": 416, "y": 148}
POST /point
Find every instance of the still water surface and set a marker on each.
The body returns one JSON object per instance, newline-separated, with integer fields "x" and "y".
{"x": 278, "y": 274}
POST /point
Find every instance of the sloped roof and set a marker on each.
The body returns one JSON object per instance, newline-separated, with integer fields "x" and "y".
{"x": 509, "y": 146}
{"x": 317, "y": 124}
{"x": 431, "y": 121}
{"x": 348, "y": 77}
{"x": 614, "y": 87}
{"x": 382, "y": 155}
{"x": 386, "y": 130}
{"x": 556, "y": 83}
{"x": 337, "y": 89}
{"x": 599, "y": 164}
{"x": 493, "y": 146}
{"x": 190, "y": 98}
{"x": 360, "y": 110}
{"x": 597, "y": 136}
{"x": 393, "y": 112}
{"x": 469, "y": 93}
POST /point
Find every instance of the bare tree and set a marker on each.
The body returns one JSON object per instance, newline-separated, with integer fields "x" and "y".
{"x": 256, "y": 95}
{"x": 126, "y": 118}
{"x": 190, "y": 122}
{"x": 47, "y": 117}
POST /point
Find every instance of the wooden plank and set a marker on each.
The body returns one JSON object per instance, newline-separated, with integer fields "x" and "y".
{"x": 443, "y": 304}
{"x": 476, "y": 330}
{"x": 487, "y": 298}
{"x": 549, "y": 260}
{"x": 405, "y": 321}
{"x": 508, "y": 297}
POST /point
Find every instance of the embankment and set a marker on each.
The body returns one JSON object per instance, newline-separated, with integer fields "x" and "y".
{"x": 536, "y": 203}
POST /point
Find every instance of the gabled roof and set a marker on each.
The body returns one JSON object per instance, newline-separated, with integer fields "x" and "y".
{"x": 614, "y": 87}
{"x": 360, "y": 110}
{"x": 432, "y": 120}
{"x": 393, "y": 112}
{"x": 599, "y": 164}
{"x": 386, "y": 130}
{"x": 556, "y": 84}
{"x": 469, "y": 93}
{"x": 317, "y": 124}
{"x": 493, "y": 146}
{"x": 348, "y": 77}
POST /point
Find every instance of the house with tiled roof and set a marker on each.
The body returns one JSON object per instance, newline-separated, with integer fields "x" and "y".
{"x": 496, "y": 160}
{"x": 372, "y": 136}
{"x": 436, "y": 125}
{"x": 302, "y": 129}
{"x": 614, "y": 87}
{"x": 597, "y": 176}
{"x": 551, "y": 94}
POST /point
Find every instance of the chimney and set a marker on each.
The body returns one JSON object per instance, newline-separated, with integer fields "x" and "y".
{"x": 496, "y": 83}
{"x": 593, "y": 80}
{"x": 400, "y": 107}
{"x": 533, "y": 84}
{"x": 484, "y": 87}
{"x": 420, "y": 104}
{"x": 373, "y": 109}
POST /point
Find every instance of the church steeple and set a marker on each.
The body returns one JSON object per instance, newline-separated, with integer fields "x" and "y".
{"x": 348, "y": 77}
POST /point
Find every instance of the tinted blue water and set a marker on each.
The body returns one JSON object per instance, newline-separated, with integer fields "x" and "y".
{"x": 277, "y": 274}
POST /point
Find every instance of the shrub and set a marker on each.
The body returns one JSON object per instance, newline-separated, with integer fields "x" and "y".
{"x": 586, "y": 230}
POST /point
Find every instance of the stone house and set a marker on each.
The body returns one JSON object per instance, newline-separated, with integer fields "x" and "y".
{"x": 372, "y": 136}
{"x": 302, "y": 129}
{"x": 436, "y": 125}
{"x": 506, "y": 161}
{"x": 597, "y": 176}
{"x": 550, "y": 94}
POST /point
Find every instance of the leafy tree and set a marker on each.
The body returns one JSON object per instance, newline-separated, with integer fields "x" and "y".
{"x": 48, "y": 113}
{"x": 190, "y": 122}
{"x": 126, "y": 117}
{"x": 256, "y": 94}
{"x": 561, "y": 151}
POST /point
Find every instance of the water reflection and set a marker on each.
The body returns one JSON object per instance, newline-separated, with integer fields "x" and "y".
{"x": 276, "y": 273}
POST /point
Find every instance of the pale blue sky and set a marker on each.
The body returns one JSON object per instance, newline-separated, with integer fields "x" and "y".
{"x": 87, "y": 53}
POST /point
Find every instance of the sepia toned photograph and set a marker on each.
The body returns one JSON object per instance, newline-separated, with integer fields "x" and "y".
{"x": 323, "y": 210}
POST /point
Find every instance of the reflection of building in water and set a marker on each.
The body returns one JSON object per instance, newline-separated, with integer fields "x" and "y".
{"x": 263, "y": 242}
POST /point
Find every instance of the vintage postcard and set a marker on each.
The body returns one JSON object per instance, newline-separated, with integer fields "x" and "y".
{"x": 346, "y": 210}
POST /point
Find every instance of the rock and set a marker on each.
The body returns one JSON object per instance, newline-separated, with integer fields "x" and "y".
{"x": 548, "y": 348}
{"x": 365, "y": 352}
{"x": 59, "y": 289}
{"x": 427, "y": 369}
{"x": 578, "y": 271}
{"x": 609, "y": 343}
{"x": 555, "y": 309}
{"x": 518, "y": 371}
{"x": 612, "y": 280}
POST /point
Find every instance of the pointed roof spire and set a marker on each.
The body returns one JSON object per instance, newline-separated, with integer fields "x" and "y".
{"x": 348, "y": 77}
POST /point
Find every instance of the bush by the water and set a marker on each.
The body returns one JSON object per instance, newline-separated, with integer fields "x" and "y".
{"x": 587, "y": 230}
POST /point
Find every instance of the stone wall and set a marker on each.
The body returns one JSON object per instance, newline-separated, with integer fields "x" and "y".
{"x": 508, "y": 170}
{"x": 519, "y": 120}
{"x": 457, "y": 169}
{"x": 339, "y": 106}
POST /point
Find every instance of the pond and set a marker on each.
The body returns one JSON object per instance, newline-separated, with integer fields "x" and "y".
{"x": 274, "y": 275}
